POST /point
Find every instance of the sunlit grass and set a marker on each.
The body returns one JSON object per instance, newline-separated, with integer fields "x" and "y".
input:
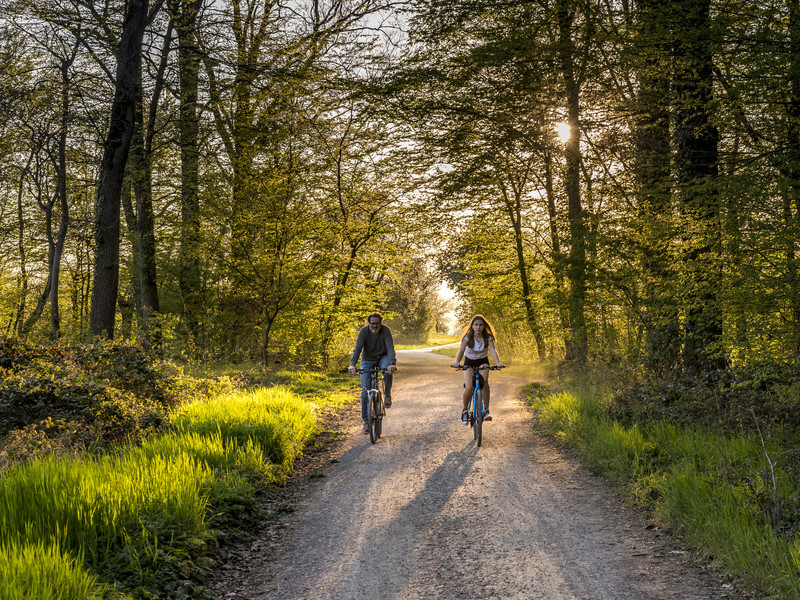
{"x": 435, "y": 340}
{"x": 126, "y": 513}
{"x": 91, "y": 507}
{"x": 275, "y": 419}
{"x": 712, "y": 489}
{"x": 324, "y": 389}
{"x": 316, "y": 386}
{"x": 43, "y": 571}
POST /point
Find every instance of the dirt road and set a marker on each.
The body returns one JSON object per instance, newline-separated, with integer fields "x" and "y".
{"x": 424, "y": 513}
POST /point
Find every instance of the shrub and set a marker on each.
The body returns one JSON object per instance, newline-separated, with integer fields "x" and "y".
{"x": 752, "y": 398}
{"x": 59, "y": 400}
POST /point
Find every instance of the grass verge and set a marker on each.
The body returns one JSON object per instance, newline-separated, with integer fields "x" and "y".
{"x": 727, "y": 496}
{"x": 143, "y": 522}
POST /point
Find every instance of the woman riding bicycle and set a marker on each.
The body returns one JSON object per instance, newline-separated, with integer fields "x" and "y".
{"x": 476, "y": 345}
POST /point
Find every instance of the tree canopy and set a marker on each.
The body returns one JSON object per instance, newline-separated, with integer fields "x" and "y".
{"x": 605, "y": 182}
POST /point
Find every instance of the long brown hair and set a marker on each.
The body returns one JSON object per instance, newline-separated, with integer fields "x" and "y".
{"x": 487, "y": 331}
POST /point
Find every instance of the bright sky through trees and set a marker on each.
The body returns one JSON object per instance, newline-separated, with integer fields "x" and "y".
{"x": 563, "y": 132}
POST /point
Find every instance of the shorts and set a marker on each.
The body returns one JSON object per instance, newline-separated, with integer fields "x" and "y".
{"x": 475, "y": 362}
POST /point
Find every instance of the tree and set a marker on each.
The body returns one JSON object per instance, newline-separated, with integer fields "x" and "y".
{"x": 112, "y": 169}
{"x": 653, "y": 187}
{"x": 185, "y": 14}
{"x": 566, "y": 16}
{"x": 696, "y": 169}
{"x": 489, "y": 109}
{"x": 140, "y": 215}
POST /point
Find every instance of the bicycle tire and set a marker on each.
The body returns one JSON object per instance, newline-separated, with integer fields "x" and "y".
{"x": 478, "y": 408}
{"x": 379, "y": 419}
{"x": 372, "y": 417}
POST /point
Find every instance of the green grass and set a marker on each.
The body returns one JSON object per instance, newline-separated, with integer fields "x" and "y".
{"x": 308, "y": 384}
{"x": 712, "y": 489}
{"x": 40, "y": 571}
{"x": 446, "y": 351}
{"x": 278, "y": 420}
{"x": 87, "y": 507}
{"x": 140, "y": 516}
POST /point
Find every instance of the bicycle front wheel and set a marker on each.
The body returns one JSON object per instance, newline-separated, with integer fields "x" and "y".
{"x": 379, "y": 412}
{"x": 478, "y": 407}
{"x": 372, "y": 420}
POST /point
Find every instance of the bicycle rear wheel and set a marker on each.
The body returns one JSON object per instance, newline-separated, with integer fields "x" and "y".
{"x": 478, "y": 408}
{"x": 372, "y": 419}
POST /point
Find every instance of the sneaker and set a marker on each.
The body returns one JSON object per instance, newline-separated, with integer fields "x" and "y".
{"x": 464, "y": 417}
{"x": 365, "y": 428}
{"x": 486, "y": 415}
{"x": 387, "y": 401}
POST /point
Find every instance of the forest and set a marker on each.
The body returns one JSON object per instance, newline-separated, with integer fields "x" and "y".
{"x": 614, "y": 184}
{"x": 607, "y": 182}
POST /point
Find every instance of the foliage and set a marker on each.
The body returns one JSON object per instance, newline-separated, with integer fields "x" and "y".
{"x": 147, "y": 519}
{"x": 716, "y": 490}
{"x": 65, "y": 398}
{"x": 762, "y": 396}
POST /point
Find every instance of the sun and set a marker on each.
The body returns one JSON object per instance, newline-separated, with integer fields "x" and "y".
{"x": 563, "y": 132}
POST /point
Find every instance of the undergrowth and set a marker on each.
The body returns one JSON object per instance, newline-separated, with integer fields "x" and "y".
{"x": 115, "y": 486}
{"x": 67, "y": 400}
{"x": 733, "y": 495}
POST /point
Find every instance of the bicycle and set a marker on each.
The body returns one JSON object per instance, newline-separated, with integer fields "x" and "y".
{"x": 476, "y": 416}
{"x": 376, "y": 409}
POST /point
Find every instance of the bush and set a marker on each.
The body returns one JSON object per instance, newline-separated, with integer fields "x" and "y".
{"x": 59, "y": 400}
{"x": 753, "y": 399}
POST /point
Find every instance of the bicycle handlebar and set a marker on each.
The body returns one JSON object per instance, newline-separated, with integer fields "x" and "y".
{"x": 480, "y": 367}
{"x": 359, "y": 371}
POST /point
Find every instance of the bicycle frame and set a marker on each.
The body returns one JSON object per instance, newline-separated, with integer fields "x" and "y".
{"x": 476, "y": 416}
{"x": 375, "y": 407}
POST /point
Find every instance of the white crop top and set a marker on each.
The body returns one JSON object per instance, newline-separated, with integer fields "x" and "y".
{"x": 480, "y": 350}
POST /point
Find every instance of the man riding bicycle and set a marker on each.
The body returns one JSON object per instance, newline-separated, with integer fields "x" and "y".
{"x": 374, "y": 345}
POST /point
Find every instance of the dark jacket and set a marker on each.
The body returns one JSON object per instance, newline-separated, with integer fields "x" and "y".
{"x": 374, "y": 346}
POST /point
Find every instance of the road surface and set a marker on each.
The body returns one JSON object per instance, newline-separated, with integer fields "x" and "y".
{"x": 424, "y": 513}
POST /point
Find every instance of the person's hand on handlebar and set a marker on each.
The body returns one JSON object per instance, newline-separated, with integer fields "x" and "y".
{"x": 391, "y": 369}
{"x": 455, "y": 365}
{"x": 352, "y": 369}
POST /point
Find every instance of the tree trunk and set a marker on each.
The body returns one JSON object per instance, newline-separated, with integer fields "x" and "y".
{"x": 47, "y": 207}
{"x": 557, "y": 255}
{"x": 141, "y": 220}
{"x": 185, "y": 15}
{"x": 652, "y": 171}
{"x": 514, "y": 210}
{"x": 791, "y": 172}
{"x": 576, "y": 271}
{"x": 22, "y": 278}
{"x": 61, "y": 193}
{"x": 30, "y": 322}
{"x": 696, "y": 165}
{"x": 268, "y": 321}
{"x": 338, "y": 295}
{"x": 112, "y": 171}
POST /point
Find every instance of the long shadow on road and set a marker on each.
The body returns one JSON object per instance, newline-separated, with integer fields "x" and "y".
{"x": 392, "y": 552}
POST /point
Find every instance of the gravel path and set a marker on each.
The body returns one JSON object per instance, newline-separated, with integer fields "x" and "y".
{"x": 424, "y": 513}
